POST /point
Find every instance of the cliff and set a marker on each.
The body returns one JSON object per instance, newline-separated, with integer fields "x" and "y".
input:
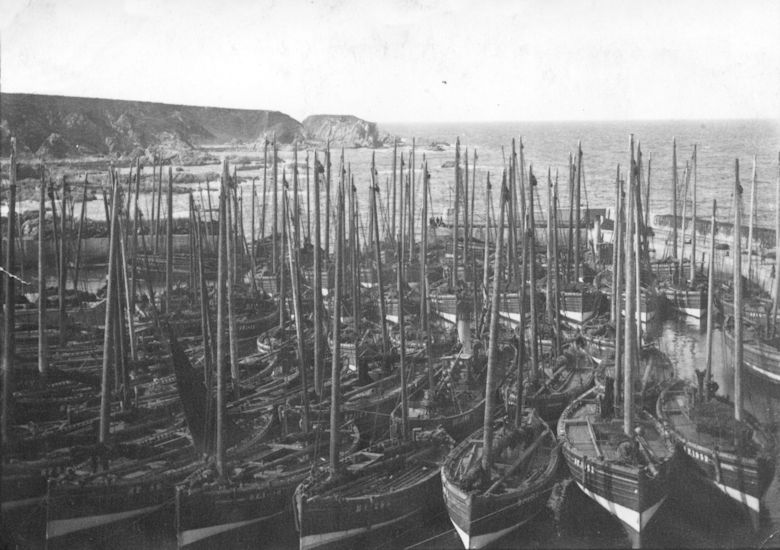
{"x": 343, "y": 131}
{"x": 58, "y": 127}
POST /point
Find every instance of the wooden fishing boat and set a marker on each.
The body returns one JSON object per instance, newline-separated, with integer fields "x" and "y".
{"x": 649, "y": 304}
{"x": 761, "y": 357}
{"x": 258, "y": 493}
{"x": 580, "y": 305}
{"x": 628, "y": 476}
{"x": 456, "y": 404}
{"x": 485, "y": 506}
{"x": 737, "y": 457}
{"x": 688, "y": 301}
{"x": 385, "y": 485}
{"x": 561, "y": 381}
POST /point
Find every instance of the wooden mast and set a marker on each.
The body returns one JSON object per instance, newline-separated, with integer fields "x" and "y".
{"x": 737, "y": 293}
{"x": 402, "y": 350}
{"x": 570, "y": 251}
{"x": 548, "y": 278}
{"x": 43, "y": 355}
{"x": 614, "y": 311}
{"x": 693, "y": 216}
{"x": 295, "y": 281}
{"x": 275, "y": 230}
{"x": 617, "y": 283}
{"x": 487, "y": 432}
{"x": 710, "y": 299}
{"x": 630, "y": 337}
{"x": 751, "y": 218}
{"x": 577, "y": 220}
{"x": 221, "y": 280}
{"x": 392, "y": 217}
{"x": 318, "y": 351}
{"x": 532, "y": 273}
{"x": 335, "y": 388}
{"x": 454, "y": 279}
{"x": 82, "y": 215}
{"x": 424, "y": 320}
{"x": 777, "y": 250}
{"x": 674, "y": 198}
{"x": 378, "y": 256}
{"x": 108, "y": 332}
{"x": 252, "y": 241}
{"x": 230, "y": 253}
{"x": 63, "y": 265}
{"x": 169, "y": 245}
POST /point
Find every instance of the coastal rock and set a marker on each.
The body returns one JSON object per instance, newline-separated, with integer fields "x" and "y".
{"x": 343, "y": 131}
{"x": 60, "y": 126}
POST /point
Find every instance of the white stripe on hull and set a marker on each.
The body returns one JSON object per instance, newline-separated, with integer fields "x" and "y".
{"x": 743, "y": 498}
{"x": 631, "y": 518}
{"x": 60, "y": 527}
{"x": 392, "y": 318}
{"x": 191, "y": 536}
{"x": 763, "y": 372}
{"x": 481, "y": 541}
{"x": 577, "y": 316}
{"x": 314, "y": 541}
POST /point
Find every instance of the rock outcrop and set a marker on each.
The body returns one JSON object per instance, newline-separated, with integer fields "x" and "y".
{"x": 57, "y": 126}
{"x": 342, "y": 131}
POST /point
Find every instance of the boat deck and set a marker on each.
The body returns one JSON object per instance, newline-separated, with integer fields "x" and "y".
{"x": 600, "y": 438}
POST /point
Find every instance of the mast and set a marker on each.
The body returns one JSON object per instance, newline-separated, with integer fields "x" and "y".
{"x": 617, "y": 282}
{"x": 693, "y": 215}
{"x": 335, "y": 388}
{"x": 569, "y": 253}
{"x": 295, "y": 281}
{"x": 111, "y": 290}
{"x": 221, "y": 279}
{"x": 392, "y": 218}
{"x": 548, "y": 279}
{"x": 454, "y": 280}
{"x": 82, "y": 215}
{"x": 424, "y": 277}
{"x": 10, "y": 296}
{"x": 777, "y": 250}
{"x": 378, "y": 256}
{"x": 252, "y": 241}
{"x": 750, "y": 228}
{"x": 487, "y": 432}
{"x": 674, "y": 198}
{"x": 43, "y": 356}
{"x": 737, "y": 293}
{"x": 630, "y": 337}
{"x": 63, "y": 265}
{"x": 318, "y": 351}
{"x": 230, "y": 253}
{"x": 614, "y": 312}
{"x": 533, "y": 373}
{"x": 687, "y": 178}
{"x": 710, "y": 296}
{"x": 402, "y": 350}
{"x": 169, "y": 245}
{"x": 577, "y": 200}
{"x": 275, "y": 230}
{"x": 486, "y": 257}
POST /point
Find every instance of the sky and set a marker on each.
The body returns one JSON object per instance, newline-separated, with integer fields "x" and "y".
{"x": 406, "y": 60}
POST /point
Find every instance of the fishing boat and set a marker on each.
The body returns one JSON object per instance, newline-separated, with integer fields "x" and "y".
{"x": 456, "y": 403}
{"x": 737, "y": 457}
{"x": 623, "y": 464}
{"x": 389, "y": 483}
{"x": 485, "y": 506}
{"x": 500, "y": 477}
{"x": 628, "y": 476}
{"x": 258, "y": 494}
{"x": 579, "y": 305}
{"x": 562, "y": 380}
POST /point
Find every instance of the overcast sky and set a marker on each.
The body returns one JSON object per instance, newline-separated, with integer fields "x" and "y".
{"x": 406, "y": 60}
